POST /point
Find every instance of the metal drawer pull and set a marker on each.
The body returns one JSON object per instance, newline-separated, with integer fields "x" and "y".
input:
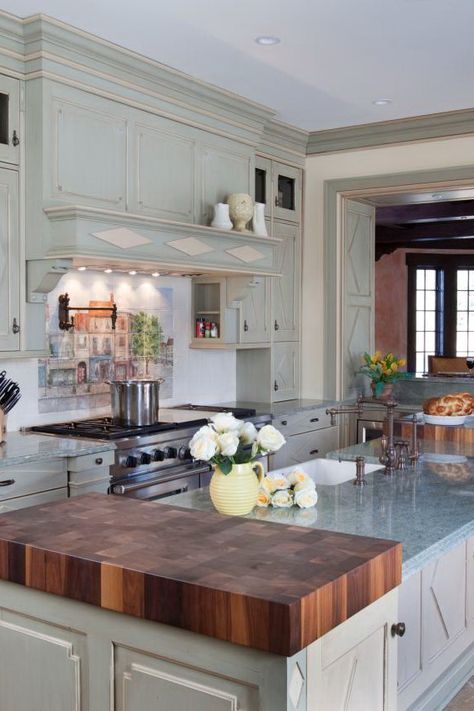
{"x": 314, "y": 419}
{"x": 399, "y": 629}
{"x": 7, "y": 482}
{"x": 314, "y": 451}
{"x": 99, "y": 460}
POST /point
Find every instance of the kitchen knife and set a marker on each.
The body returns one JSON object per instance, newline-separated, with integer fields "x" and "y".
{"x": 8, "y": 394}
{"x": 11, "y": 403}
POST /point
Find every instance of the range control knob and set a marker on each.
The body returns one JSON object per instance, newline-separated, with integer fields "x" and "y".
{"x": 184, "y": 453}
{"x": 170, "y": 453}
{"x": 145, "y": 458}
{"x": 158, "y": 455}
{"x": 131, "y": 461}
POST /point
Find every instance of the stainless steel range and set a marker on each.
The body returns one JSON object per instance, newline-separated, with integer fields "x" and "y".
{"x": 153, "y": 462}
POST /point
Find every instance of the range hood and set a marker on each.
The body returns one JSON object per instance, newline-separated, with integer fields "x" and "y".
{"x": 90, "y": 236}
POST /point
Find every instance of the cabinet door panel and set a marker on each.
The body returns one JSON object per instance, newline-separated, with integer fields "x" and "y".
{"x": 443, "y": 604}
{"x": 9, "y": 261}
{"x": 9, "y": 120}
{"x": 222, "y": 173}
{"x": 285, "y": 379}
{"x": 143, "y": 681}
{"x": 286, "y": 289}
{"x": 255, "y": 314}
{"x": 409, "y": 646}
{"x": 287, "y": 192}
{"x": 164, "y": 174}
{"x": 90, "y": 161}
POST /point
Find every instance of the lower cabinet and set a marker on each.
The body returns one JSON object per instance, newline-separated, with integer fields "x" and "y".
{"x": 285, "y": 369}
{"x": 309, "y": 435}
{"x": 435, "y": 655}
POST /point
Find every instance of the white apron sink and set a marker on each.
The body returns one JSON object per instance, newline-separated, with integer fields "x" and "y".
{"x": 328, "y": 471}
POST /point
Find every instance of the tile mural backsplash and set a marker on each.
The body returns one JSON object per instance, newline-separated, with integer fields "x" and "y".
{"x": 74, "y": 376}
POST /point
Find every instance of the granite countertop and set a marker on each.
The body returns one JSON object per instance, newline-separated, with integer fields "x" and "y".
{"x": 21, "y": 447}
{"x": 428, "y": 509}
{"x": 286, "y": 407}
{"x": 169, "y": 564}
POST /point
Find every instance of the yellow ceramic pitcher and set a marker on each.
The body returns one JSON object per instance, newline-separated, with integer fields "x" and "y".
{"x": 235, "y": 494}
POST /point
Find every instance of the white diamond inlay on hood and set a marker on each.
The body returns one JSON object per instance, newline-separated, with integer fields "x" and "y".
{"x": 190, "y": 246}
{"x": 246, "y": 254}
{"x": 122, "y": 237}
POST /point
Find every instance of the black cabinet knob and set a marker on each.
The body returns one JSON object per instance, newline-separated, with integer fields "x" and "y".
{"x": 158, "y": 455}
{"x": 399, "y": 629}
{"x": 131, "y": 461}
{"x": 145, "y": 458}
{"x": 99, "y": 461}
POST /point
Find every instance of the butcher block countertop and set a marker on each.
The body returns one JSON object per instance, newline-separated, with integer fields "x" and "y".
{"x": 244, "y": 581}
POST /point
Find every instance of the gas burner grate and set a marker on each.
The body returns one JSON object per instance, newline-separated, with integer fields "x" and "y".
{"x": 102, "y": 428}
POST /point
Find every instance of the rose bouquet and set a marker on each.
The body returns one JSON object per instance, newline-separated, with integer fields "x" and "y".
{"x": 284, "y": 491}
{"x": 227, "y": 441}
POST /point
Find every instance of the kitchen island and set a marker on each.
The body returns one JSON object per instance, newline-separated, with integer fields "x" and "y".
{"x": 190, "y": 609}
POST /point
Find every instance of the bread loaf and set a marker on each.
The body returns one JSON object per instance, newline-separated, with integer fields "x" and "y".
{"x": 455, "y": 405}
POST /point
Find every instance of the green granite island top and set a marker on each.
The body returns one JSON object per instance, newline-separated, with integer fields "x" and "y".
{"x": 429, "y": 509}
{"x": 23, "y": 447}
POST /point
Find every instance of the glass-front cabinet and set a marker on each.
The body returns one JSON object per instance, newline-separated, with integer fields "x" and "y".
{"x": 279, "y": 187}
{"x": 9, "y": 120}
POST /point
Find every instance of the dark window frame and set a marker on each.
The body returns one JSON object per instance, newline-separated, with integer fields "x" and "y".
{"x": 446, "y": 266}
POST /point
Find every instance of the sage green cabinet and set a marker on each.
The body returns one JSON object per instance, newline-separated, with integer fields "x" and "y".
{"x": 255, "y": 324}
{"x": 9, "y": 120}
{"x": 285, "y": 370}
{"x": 89, "y": 161}
{"x": 163, "y": 179}
{"x": 263, "y": 184}
{"x": 286, "y": 288}
{"x": 286, "y": 182}
{"x": 9, "y": 262}
{"x": 223, "y": 171}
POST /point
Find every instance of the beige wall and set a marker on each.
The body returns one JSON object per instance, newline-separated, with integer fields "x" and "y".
{"x": 391, "y": 284}
{"x": 429, "y": 155}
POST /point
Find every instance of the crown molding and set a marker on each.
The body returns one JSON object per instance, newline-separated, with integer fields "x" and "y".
{"x": 280, "y": 140}
{"x": 416, "y": 128}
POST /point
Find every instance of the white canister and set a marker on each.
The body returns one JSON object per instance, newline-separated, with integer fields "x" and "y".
{"x": 221, "y": 218}
{"x": 258, "y": 221}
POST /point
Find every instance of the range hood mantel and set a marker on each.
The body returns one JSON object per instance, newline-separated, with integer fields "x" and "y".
{"x": 114, "y": 236}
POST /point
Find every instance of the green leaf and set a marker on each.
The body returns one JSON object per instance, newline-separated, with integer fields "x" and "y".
{"x": 225, "y": 466}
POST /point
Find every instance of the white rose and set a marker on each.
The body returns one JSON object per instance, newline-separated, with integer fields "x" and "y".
{"x": 283, "y": 498}
{"x": 306, "y": 498}
{"x": 279, "y": 482}
{"x": 297, "y": 476}
{"x": 226, "y": 422}
{"x": 205, "y": 431}
{"x": 263, "y": 498}
{"x": 248, "y": 433}
{"x": 228, "y": 443}
{"x": 270, "y": 439}
{"x": 203, "y": 448}
{"x": 307, "y": 484}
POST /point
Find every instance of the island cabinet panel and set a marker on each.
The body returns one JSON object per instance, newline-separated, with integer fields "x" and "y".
{"x": 470, "y": 582}
{"x": 45, "y": 667}
{"x": 444, "y": 602}
{"x": 32, "y": 478}
{"x": 163, "y": 172}
{"x": 286, "y": 288}
{"x": 224, "y": 170}
{"x": 409, "y": 646}
{"x": 89, "y": 154}
{"x": 354, "y": 666}
{"x": 143, "y": 681}
{"x": 9, "y": 262}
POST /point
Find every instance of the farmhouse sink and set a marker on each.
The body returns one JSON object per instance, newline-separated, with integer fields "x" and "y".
{"x": 328, "y": 472}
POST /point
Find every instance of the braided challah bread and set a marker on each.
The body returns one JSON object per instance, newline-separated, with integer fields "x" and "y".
{"x": 454, "y": 405}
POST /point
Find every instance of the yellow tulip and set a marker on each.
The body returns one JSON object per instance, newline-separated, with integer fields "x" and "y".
{"x": 394, "y": 367}
{"x": 377, "y": 357}
{"x": 402, "y": 362}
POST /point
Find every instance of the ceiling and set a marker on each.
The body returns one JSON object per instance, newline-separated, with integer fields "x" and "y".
{"x": 335, "y": 57}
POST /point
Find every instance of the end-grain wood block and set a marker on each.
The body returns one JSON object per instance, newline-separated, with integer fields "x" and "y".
{"x": 263, "y": 585}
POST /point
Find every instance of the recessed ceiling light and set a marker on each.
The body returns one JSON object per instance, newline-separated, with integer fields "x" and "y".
{"x": 132, "y": 273}
{"x": 156, "y": 274}
{"x": 108, "y": 271}
{"x": 382, "y": 102}
{"x": 267, "y": 40}
{"x": 81, "y": 269}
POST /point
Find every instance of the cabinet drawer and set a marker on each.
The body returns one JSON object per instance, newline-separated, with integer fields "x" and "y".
{"x": 99, "y": 473}
{"x": 22, "y": 502}
{"x": 100, "y": 486}
{"x": 32, "y": 478}
{"x": 304, "y": 447}
{"x": 302, "y": 422}
{"x": 91, "y": 461}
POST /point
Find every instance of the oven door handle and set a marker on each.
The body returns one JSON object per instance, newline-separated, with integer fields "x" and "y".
{"x": 124, "y": 489}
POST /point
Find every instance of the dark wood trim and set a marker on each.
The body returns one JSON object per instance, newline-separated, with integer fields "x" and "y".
{"x": 421, "y": 259}
{"x": 411, "y": 320}
{"x": 426, "y": 231}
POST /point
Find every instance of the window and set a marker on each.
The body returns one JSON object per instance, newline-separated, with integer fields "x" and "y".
{"x": 440, "y": 307}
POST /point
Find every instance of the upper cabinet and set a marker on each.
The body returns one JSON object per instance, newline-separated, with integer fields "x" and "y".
{"x": 286, "y": 288}
{"x": 279, "y": 187}
{"x": 223, "y": 171}
{"x": 9, "y": 262}
{"x": 9, "y": 120}
{"x": 89, "y": 154}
